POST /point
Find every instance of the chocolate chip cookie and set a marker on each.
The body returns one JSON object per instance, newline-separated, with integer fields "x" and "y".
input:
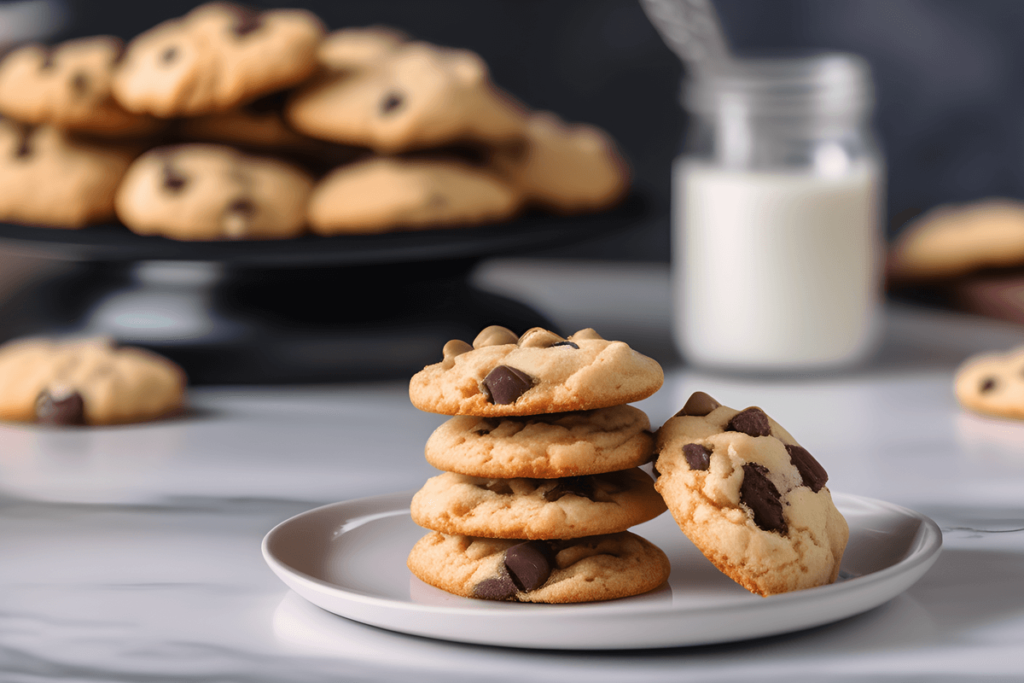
{"x": 69, "y": 86}
{"x": 49, "y": 178}
{"x": 533, "y": 509}
{"x": 502, "y": 374}
{"x": 955, "y": 240}
{"x": 417, "y": 96}
{"x": 216, "y": 57}
{"x": 212, "y": 192}
{"x": 543, "y": 446}
{"x": 86, "y": 382}
{"x": 562, "y": 168}
{"x": 749, "y": 497}
{"x": 578, "y": 570}
{"x": 382, "y": 194}
{"x": 993, "y": 384}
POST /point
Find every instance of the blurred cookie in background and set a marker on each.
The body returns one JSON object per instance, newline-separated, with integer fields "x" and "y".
{"x": 89, "y": 381}
{"x": 69, "y": 86}
{"x": 52, "y": 179}
{"x": 954, "y": 240}
{"x": 381, "y": 194}
{"x": 564, "y": 168}
{"x": 415, "y": 96}
{"x": 216, "y": 57}
{"x": 213, "y": 192}
{"x": 966, "y": 257}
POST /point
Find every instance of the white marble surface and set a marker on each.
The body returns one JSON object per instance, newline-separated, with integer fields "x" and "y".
{"x": 133, "y": 553}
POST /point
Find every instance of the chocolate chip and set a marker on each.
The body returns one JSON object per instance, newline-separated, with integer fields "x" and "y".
{"x": 752, "y": 422}
{"x": 172, "y": 179}
{"x": 169, "y": 55}
{"x": 504, "y": 385}
{"x": 566, "y": 343}
{"x": 499, "y": 588}
{"x": 248, "y": 21}
{"x": 529, "y": 564}
{"x": 391, "y": 102}
{"x": 578, "y": 486}
{"x": 23, "y": 150}
{"x": 760, "y": 495}
{"x": 61, "y": 410}
{"x": 242, "y": 206}
{"x": 698, "y": 405}
{"x": 811, "y": 471}
{"x": 80, "y": 83}
{"x": 988, "y": 384}
{"x": 697, "y": 457}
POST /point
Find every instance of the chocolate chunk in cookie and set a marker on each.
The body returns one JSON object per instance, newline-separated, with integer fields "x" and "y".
{"x": 760, "y": 495}
{"x": 752, "y": 422}
{"x": 64, "y": 408}
{"x": 698, "y": 405}
{"x": 504, "y": 384}
{"x": 811, "y": 471}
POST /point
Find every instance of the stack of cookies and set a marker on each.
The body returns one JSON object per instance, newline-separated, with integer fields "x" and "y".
{"x": 261, "y": 125}
{"x": 541, "y": 478}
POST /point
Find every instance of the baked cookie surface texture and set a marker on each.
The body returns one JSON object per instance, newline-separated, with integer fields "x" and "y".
{"x": 211, "y": 192}
{"x": 86, "y": 382}
{"x": 502, "y": 374}
{"x": 751, "y": 499}
{"x": 416, "y": 96}
{"x": 577, "y": 570}
{"x": 50, "y": 179}
{"x": 993, "y": 384}
{"x": 533, "y": 509}
{"x": 543, "y": 446}
{"x": 69, "y": 86}
{"x": 381, "y": 194}
{"x": 216, "y": 57}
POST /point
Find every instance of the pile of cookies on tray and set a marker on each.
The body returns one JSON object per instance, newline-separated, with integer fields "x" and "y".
{"x": 542, "y": 478}
{"x": 230, "y": 123}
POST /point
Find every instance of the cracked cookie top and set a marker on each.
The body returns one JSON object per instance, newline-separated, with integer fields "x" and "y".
{"x": 502, "y": 374}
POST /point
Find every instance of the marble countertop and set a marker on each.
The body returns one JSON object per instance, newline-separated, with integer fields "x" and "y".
{"x": 133, "y": 553}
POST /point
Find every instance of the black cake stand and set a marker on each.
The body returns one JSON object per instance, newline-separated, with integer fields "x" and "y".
{"x": 312, "y": 309}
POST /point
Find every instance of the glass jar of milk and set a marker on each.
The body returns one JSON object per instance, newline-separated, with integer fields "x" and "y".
{"x": 777, "y": 205}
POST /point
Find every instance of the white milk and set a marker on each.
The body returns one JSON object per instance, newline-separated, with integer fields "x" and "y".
{"x": 776, "y": 270}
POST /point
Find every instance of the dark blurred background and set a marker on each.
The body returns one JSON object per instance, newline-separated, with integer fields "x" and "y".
{"x": 949, "y": 76}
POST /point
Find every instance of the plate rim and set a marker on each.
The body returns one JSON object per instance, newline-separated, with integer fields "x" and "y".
{"x": 923, "y": 552}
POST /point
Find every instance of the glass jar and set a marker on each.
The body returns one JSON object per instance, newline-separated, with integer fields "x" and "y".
{"x": 777, "y": 207}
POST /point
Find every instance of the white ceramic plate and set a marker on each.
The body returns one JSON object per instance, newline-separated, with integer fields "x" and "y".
{"x": 349, "y": 558}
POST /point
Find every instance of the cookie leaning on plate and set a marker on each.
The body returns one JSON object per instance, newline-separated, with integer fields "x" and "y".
{"x": 502, "y": 374}
{"x": 993, "y": 384}
{"x": 543, "y": 446}
{"x": 751, "y": 499}
{"x": 86, "y": 382}
{"x": 532, "y": 509}
{"x": 577, "y": 570}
